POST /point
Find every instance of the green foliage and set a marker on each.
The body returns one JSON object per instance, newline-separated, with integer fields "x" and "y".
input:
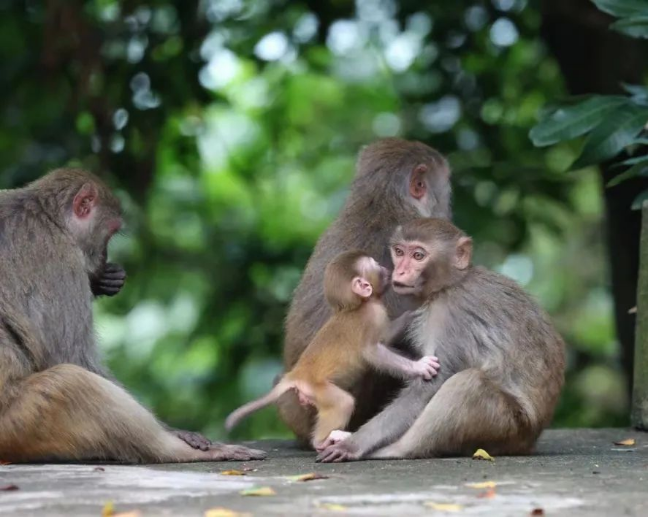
{"x": 615, "y": 126}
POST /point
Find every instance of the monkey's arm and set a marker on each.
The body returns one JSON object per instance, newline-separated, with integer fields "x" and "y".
{"x": 384, "y": 359}
{"x": 109, "y": 281}
{"x": 387, "y": 426}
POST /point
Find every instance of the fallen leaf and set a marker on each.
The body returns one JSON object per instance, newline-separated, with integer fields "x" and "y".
{"x": 488, "y": 494}
{"x": 134, "y": 513}
{"x": 99, "y": 469}
{"x": 483, "y": 484}
{"x": 232, "y": 473}
{"x": 5, "y": 462}
{"x": 628, "y": 442}
{"x": 332, "y": 507}
{"x": 444, "y": 507}
{"x": 224, "y": 512}
{"x": 9, "y": 488}
{"x": 308, "y": 477}
{"x": 481, "y": 454}
{"x": 537, "y": 511}
{"x": 108, "y": 510}
{"x": 259, "y": 491}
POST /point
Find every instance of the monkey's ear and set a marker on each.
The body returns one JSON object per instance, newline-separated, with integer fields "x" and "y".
{"x": 361, "y": 287}
{"x": 85, "y": 200}
{"x": 463, "y": 253}
{"x": 418, "y": 185}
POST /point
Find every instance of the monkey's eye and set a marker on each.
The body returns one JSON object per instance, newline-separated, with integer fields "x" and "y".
{"x": 398, "y": 252}
{"x": 418, "y": 256}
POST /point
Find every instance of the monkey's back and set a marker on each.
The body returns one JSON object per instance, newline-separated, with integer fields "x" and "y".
{"x": 499, "y": 328}
{"x": 335, "y": 352}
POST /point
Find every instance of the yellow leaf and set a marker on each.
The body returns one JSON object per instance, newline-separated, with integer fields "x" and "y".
{"x": 332, "y": 507}
{"x": 628, "y": 443}
{"x": 308, "y": 477}
{"x": 134, "y": 513}
{"x": 488, "y": 494}
{"x": 483, "y": 484}
{"x": 232, "y": 473}
{"x": 224, "y": 512}
{"x": 444, "y": 507}
{"x": 481, "y": 454}
{"x": 259, "y": 491}
{"x": 108, "y": 509}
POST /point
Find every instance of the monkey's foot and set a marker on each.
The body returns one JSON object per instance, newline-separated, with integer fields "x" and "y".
{"x": 333, "y": 438}
{"x": 224, "y": 452}
{"x": 341, "y": 451}
{"x": 196, "y": 440}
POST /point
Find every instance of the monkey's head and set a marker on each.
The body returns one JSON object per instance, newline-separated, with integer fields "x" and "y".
{"x": 410, "y": 171}
{"x": 429, "y": 255}
{"x": 352, "y": 278}
{"x": 84, "y": 205}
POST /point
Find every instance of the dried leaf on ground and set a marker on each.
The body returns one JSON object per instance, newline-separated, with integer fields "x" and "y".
{"x": 108, "y": 510}
{"x": 483, "y": 484}
{"x": 488, "y": 494}
{"x": 332, "y": 507}
{"x": 444, "y": 507}
{"x": 537, "y": 512}
{"x": 2, "y": 462}
{"x": 481, "y": 454}
{"x": 232, "y": 473}
{"x": 134, "y": 513}
{"x": 262, "y": 491}
{"x": 224, "y": 512}
{"x": 9, "y": 488}
{"x": 98, "y": 469}
{"x": 629, "y": 442}
{"x": 308, "y": 477}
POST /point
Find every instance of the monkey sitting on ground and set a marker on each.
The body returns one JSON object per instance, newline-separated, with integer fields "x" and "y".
{"x": 503, "y": 360}
{"x": 341, "y": 350}
{"x": 57, "y": 401}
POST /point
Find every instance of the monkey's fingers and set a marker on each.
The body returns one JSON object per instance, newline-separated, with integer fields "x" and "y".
{"x": 112, "y": 269}
{"x": 196, "y": 440}
{"x": 223, "y": 452}
{"x": 333, "y": 454}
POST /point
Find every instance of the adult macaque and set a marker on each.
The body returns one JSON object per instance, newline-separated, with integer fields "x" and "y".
{"x": 55, "y": 400}
{"x": 396, "y": 181}
{"x": 503, "y": 361}
{"x": 342, "y": 349}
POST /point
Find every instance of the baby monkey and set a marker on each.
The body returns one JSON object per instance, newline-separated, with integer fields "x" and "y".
{"x": 350, "y": 341}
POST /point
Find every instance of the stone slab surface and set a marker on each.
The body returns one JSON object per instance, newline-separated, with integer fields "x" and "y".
{"x": 573, "y": 473}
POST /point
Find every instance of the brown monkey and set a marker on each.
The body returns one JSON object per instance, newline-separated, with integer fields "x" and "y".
{"x": 56, "y": 402}
{"x": 503, "y": 361}
{"x": 396, "y": 181}
{"x": 347, "y": 343}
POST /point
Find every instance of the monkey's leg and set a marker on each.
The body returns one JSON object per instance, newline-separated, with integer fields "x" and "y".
{"x": 468, "y": 412}
{"x": 334, "y": 410}
{"x": 69, "y": 413}
{"x": 300, "y": 419}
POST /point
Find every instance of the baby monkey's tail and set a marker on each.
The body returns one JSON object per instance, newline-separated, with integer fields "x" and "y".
{"x": 246, "y": 409}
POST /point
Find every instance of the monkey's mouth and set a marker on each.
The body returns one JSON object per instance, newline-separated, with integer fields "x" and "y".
{"x": 399, "y": 286}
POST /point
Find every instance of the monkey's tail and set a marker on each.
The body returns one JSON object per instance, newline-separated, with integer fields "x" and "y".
{"x": 246, "y": 409}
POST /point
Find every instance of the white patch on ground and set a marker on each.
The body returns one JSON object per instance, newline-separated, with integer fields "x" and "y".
{"x": 47, "y": 486}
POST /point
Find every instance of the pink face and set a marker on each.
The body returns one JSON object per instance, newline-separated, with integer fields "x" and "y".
{"x": 410, "y": 259}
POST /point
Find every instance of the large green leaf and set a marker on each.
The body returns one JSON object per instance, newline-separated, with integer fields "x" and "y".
{"x": 622, "y": 8}
{"x": 635, "y": 26}
{"x": 639, "y": 200}
{"x": 569, "y": 122}
{"x": 640, "y": 169}
{"x": 618, "y": 130}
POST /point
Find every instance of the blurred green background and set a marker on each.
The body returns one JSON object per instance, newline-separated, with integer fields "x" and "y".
{"x": 230, "y": 129}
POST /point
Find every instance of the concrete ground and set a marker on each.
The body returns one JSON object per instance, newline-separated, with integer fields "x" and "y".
{"x": 574, "y": 473}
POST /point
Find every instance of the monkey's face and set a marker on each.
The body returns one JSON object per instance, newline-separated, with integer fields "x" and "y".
{"x": 411, "y": 259}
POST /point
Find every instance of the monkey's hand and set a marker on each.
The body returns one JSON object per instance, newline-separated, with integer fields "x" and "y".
{"x": 110, "y": 281}
{"x": 196, "y": 440}
{"x": 427, "y": 367}
{"x": 333, "y": 438}
{"x": 225, "y": 452}
{"x": 339, "y": 452}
